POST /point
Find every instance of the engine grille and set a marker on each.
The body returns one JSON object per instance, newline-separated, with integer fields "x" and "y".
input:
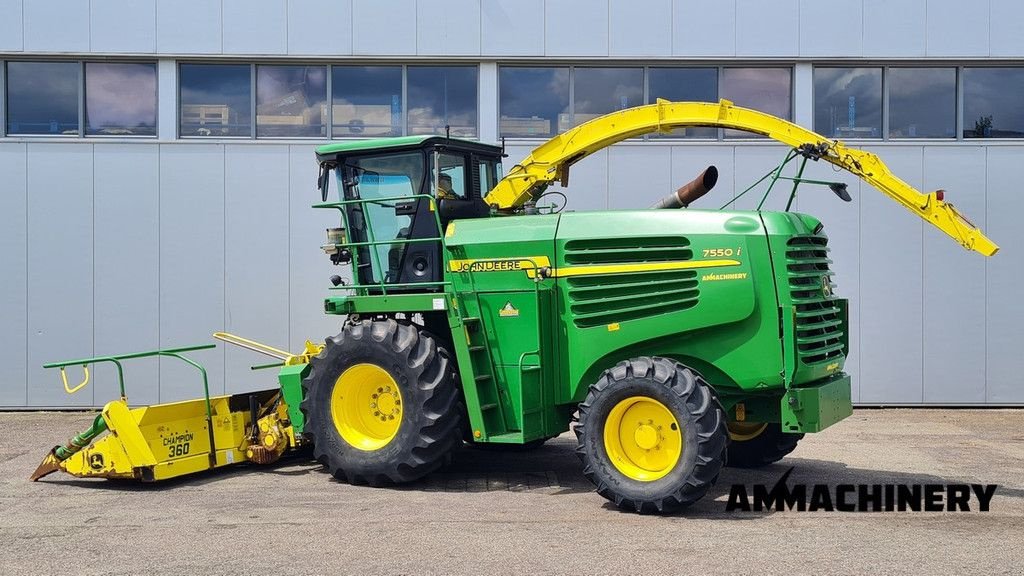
{"x": 819, "y": 320}
{"x": 615, "y": 297}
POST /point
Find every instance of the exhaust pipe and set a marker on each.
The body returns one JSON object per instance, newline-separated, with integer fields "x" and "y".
{"x": 691, "y": 192}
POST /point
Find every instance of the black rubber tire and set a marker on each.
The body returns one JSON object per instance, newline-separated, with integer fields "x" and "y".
{"x": 430, "y": 422}
{"x": 694, "y": 405}
{"x": 768, "y": 447}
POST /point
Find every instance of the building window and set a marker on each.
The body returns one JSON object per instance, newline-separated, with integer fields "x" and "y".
{"x": 531, "y": 100}
{"x": 992, "y": 102}
{"x": 768, "y": 90}
{"x": 922, "y": 102}
{"x": 120, "y": 99}
{"x": 42, "y": 98}
{"x": 216, "y": 99}
{"x": 684, "y": 85}
{"x": 598, "y": 91}
{"x": 442, "y": 98}
{"x": 291, "y": 101}
{"x": 848, "y": 102}
{"x": 366, "y": 101}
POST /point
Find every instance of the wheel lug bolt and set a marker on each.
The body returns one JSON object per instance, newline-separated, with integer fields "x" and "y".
{"x": 380, "y": 390}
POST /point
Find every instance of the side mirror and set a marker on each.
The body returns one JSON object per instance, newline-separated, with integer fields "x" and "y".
{"x": 323, "y": 182}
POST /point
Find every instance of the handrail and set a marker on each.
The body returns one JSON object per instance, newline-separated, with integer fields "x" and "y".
{"x": 372, "y": 242}
{"x": 116, "y": 360}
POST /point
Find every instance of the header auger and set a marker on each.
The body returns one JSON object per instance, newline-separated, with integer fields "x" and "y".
{"x": 683, "y": 338}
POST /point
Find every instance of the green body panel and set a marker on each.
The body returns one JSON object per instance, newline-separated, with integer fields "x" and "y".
{"x": 290, "y": 378}
{"x": 816, "y": 407}
{"x": 387, "y": 303}
{"x": 736, "y": 322}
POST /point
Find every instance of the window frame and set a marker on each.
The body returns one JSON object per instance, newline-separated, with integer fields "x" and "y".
{"x": 887, "y": 112}
{"x": 81, "y": 64}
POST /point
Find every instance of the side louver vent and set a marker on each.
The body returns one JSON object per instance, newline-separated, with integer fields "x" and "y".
{"x": 819, "y": 322}
{"x": 610, "y": 296}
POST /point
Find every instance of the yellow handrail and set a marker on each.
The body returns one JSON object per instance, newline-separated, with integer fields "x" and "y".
{"x": 64, "y": 378}
{"x": 551, "y": 161}
{"x": 252, "y": 345}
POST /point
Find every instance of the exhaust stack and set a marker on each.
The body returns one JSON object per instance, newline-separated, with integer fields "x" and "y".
{"x": 690, "y": 192}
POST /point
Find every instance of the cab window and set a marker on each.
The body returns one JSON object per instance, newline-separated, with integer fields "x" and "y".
{"x": 451, "y": 178}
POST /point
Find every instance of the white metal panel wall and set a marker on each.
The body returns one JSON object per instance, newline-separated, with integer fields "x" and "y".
{"x": 767, "y": 28}
{"x": 126, "y": 240}
{"x": 1004, "y": 314}
{"x": 634, "y": 33}
{"x": 255, "y": 259}
{"x": 122, "y": 26}
{"x": 1006, "y": 29}
{"x": 448, "y": 27}
{"x": 831, "y": 28}
{"x": 384, "y": 27}
{"x": 56, "y": 26}
{"x": 60, "y": 267}
{"x": 14, "y": 288}
{"x": 703, "y": 28}
{"x": 12, "y": 26}
{"x": 319, "y": 27}
{"x": 891, "y": 289}
{"x": 575, "y": 28}
{"x": 954, "y": 283}
{"x": 894, "y": 28}
{"x": 956, "y": 28}
{"x": 504, "y": 31}
{"x": 191, "y": 263}
{"x": 188, "y": 27}
{"x": 256, "y": 26}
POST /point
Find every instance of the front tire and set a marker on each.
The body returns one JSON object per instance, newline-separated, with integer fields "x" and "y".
{"x": 380, "y": 404}
{"x": 651, "y": 435}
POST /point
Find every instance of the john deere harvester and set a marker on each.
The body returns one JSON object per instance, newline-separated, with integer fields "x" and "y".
{"x": 673, "y": 341}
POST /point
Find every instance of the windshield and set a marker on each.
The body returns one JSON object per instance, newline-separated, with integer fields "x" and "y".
{"x": 383, "y": 181}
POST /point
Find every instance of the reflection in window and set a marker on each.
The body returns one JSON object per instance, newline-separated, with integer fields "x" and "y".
{"x": 848, "y": 102}
{"x": 765, "y": 89}
{"x": 451, "y": 182}
{"x": 366, "y": 101}
{"x": 531, "y": 100}
{"x": 215, "y": 100}
{"x": 441, "y": 96}
{"x": 922, "y": 102}
{"x": 120, "y": 99}
{"x": 992, "y": 102}
{"x": 291, "y": 101}
{"x": 42, "y": 98}
{"x": 684, "y": 85}
{"x": 598, "y": 91}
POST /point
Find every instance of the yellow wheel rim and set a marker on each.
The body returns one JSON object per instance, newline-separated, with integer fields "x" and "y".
{"x": 366, "y": 406}
{"x": 643, "y": 438}
{"x": 743, "y": 431}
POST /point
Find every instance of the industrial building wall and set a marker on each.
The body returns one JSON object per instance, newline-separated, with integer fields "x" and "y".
{"x": 115, "y": 245}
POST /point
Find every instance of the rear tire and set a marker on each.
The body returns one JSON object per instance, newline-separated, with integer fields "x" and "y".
{"x": 754, "y": 446}
{"x": 380, "y": 404}
{"x": 651, "y": 435}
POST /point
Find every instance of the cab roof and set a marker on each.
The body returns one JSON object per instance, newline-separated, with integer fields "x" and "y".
{"x": 333, "y": 149}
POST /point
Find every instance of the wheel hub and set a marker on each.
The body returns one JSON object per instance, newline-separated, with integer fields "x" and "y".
{"x": 366, "y": 406}
{"x": 643, "y": 439}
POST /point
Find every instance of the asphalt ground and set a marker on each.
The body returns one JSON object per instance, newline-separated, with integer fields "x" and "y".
{"x": 520, "y": 513}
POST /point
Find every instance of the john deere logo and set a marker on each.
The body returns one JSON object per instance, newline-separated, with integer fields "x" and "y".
{"x": 826, "y": 287}
{"x": 508, "y": 310}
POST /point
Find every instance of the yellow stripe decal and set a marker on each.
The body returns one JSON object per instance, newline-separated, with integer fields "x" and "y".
{"x": 597, "y": 269}
{"x": 531, "y": 263}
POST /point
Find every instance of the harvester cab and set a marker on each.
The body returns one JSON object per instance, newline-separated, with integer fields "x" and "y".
{"x": 396, "y": 194}
{"x": 676, "y": 340}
